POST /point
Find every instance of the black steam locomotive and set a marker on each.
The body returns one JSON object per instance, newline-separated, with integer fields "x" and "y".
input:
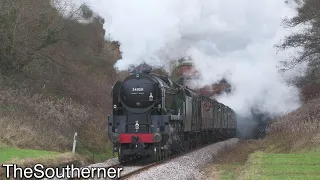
{"x": 154, "y": 116}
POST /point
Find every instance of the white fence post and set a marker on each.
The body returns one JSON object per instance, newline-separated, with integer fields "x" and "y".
{"x": 74, "y": 142}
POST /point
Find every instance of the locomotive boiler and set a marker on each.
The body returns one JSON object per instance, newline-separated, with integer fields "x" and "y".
{"x": 156, "y": 117}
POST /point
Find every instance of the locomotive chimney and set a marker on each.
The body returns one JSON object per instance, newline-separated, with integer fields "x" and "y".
{"x": 188, "y": 72}
{"x": 187, "y": 68}
{"x": 142, "y": 68}
{"x": 189, "y": 76}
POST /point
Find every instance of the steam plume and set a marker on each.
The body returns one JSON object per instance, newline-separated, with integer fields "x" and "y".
{"x": 226, "y": 38}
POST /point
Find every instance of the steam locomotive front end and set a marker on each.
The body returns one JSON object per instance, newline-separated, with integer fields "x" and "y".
{"x": 135, "y": 124}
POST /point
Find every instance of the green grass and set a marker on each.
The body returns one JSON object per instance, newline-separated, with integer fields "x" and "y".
{"x": 96, "y": 155}
{"x": 7, "y": 154}
{"x": 229, "y": 171}
{"x": 283, "y": 166}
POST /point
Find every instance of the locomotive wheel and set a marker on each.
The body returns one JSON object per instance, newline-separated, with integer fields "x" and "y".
{"x": 166, "y": 153}
{"x": 194, "y": 144}
{"x": 160, "y": 153}
{"x": 156, "y": 153}
{"x": 120, "y": 156}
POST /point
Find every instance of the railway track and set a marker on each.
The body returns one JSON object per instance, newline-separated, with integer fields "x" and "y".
{"x": 135, "y": 166}
{"x": 146, "y": 167}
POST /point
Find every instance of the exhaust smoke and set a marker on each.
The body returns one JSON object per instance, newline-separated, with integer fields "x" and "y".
{"x": 226, "y": 38}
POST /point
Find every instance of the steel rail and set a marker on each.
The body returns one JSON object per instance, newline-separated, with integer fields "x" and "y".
{"x": 144, "y": 168}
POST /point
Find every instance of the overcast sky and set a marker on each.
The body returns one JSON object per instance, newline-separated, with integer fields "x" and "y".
{"x": 226, "y": 38}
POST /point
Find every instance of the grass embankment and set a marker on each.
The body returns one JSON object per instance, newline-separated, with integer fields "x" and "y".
{"x": 48, "y": 123}
{"x": 283, "y": 166}
{"x": 8, "y": 154}
{"x": 291, "y": 150}
{"x": 28, "y": 158}
{"x": 255, "y": 162}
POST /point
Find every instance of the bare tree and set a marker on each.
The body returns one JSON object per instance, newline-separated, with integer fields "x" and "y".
{"x": 307, "y": 41}
{"x": 27, "y": 28}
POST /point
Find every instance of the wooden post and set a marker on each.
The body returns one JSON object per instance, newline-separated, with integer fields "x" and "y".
{"x": 74, "y": 142}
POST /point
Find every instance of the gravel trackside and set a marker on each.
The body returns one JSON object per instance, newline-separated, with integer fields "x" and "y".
{"x": 109, "y": 162}
{"x": 187, "y": 166}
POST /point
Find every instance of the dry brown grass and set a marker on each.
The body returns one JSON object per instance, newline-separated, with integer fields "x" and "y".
{"x": 230, "y": 163}
{"x": 42, "y": 123}
{"x": 298, "y": 130}
{"x": 240, "y": 152}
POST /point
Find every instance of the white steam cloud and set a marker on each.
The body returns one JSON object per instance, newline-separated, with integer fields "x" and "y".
{"x": 226, "y": 38}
